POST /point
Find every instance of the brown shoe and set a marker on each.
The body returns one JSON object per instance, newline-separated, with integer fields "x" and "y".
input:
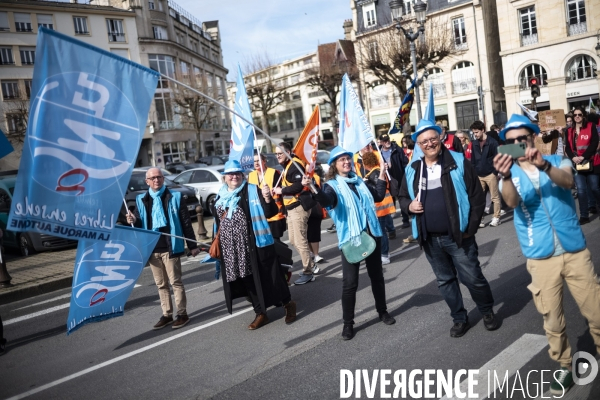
{"x": 290, "y": 312}
{"x": 260, "y": 320}
{"x": 181, "y": 321}
{"x": 163, "y": 321}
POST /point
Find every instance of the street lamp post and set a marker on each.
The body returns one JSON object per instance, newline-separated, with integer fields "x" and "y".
{"x": 396, "y": 6}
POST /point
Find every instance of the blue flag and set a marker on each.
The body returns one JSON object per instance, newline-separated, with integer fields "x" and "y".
{"x": 105, "y": 274}
{"x": 5, "y": 146}
{"x": 355, "y": 129}
{"x": 403, "y": 111}
{"x": 242, "y": 133}
{"x": 87, "y": 117}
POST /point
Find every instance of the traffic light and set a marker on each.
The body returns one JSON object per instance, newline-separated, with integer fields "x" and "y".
{"x": 535, "y": 88}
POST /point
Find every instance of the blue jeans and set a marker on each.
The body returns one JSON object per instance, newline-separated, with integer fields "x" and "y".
{"x": 387, "y": 225}
{"x": 589, "y": 183}
{"x": 450, "y": 264}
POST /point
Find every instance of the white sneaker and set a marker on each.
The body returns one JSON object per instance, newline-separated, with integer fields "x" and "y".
{"x": 482, "y": 224}
{"x": 385, "y": 260}
{"x": 495, "y": 222}
{"x": 487, "y": 210}
{"x": 318, "y": 259}
{"x": 502, "y": 213}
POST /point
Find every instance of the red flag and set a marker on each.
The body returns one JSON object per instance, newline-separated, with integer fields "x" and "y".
{"x": 307, "y": 145}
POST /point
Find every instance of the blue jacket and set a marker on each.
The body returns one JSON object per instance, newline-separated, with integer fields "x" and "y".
{"x": 541, "y": 215}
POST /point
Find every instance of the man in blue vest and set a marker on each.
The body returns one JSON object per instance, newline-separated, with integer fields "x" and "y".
{"x": 447, "y": 207}
{"x": 161, "y": 210}
{"x": 539, "y": 189}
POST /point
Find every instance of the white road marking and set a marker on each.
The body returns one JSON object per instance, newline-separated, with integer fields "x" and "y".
{"x": 127, "y": 355}
{"x": 511, "y": 359}
{"x": 64, "y": 296}
{"x": 189, "y": 290}
{"x": 35, "y": 314}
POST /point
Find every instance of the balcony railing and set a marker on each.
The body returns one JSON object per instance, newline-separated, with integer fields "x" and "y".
{"x": 461, "y": 46}
{"x": 464, "y": 86}
{"x": 577, "y": 29}
{"x": 439, "y": 90}
{"x": 528, "y": 40}
{"x": 116, "y": 36}
{"x": 379, "y": 101}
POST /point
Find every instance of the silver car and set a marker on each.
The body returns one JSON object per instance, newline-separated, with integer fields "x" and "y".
{"x": 207, "y": 182}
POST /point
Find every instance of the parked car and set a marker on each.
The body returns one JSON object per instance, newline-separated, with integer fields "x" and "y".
{"x": 138, "y": 185}
{"x": 165, "y": 173}
{"x": 177, "y": 168}
{"x": 27, "y": 243}
{"x": 272, "y": 161}
{"x": 322, "y": 158}
{"x": 213, "y": 160}
{"x": 207, "y": 181}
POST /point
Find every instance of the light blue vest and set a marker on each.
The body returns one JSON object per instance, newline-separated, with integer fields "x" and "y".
{"x": 177, "y": 245}
{"x": 539, "y": 216}
{"x": 339, "y": 214}
{"x": 457, "y": 175}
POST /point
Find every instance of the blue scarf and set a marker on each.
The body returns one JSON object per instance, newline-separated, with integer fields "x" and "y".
{"x": 355, "y": 224}
{"x": 158, "y": 213}
{"x": 229, "y": 200}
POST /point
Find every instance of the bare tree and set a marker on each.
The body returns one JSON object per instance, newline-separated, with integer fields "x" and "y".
{"x": 265, "y": 91}
{"x": 388, "y": 54}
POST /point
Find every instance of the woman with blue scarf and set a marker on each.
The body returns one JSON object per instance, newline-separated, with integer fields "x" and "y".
{"x": 249, "y": 264}
{"x": 351, "y": 204}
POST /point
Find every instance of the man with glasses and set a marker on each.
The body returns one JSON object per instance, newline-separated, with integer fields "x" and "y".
{"x": 298, "y": 203}
{"x": 161, "y": 210}
{"x": 443, "y": 193}
{"x": 539, "y": 189}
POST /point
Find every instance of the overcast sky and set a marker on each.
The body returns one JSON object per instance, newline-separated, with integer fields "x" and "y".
{"x": 284, "y": 28}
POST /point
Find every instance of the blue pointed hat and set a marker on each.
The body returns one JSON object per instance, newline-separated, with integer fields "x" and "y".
{"x": 232, "y": 167}
{"x": 336, "y": 153}
{"x": 428, "y": 121}
{"x": 517, "y": 121}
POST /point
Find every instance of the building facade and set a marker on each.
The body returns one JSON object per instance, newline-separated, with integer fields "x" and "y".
{"x": 557, "y": 41}
{"x": 109, "y": 28}
{"x": 467, "y": 83}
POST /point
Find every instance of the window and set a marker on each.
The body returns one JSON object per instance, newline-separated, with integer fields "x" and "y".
{"x": 162, "y": 97}
{"x": 296, "y": 95}
{"x": 80, "y": 24}
{"x": 373, "y": 51}
{"x": 463, "y": 78}
{"x": 294, "y": 79}
{"x": 298, "y": 117}
{"x": 15, "y": 123}
{"x": 531, "y": 71}
{"x": 174, "y": 152}
{"x": 6, "y": 56}
{"x": 325, "y": 110}
{"x": 369, "y": 16}
{"x": 198, "y": 78}
{"x": 115, "y": 30}
{"x": 160, "y": 33}
{"x": 165, "y": 65}
{"x": 185, "y": 72}
{"x": 272, "y": 120}
{"x": 379, "y": 95}
{"x": 576, "y": 17}
{"x": 528, "y": 26}
{"x": 286, "y": 121}
{"x": 151, "y": 5}
{"x": 27, "y": 55}
{"x": 28, "y": 88}
{"x": 45, "y": 20}
{"x": 209, "y": 83}
{"x": 4, "y": 21}
{"x": 10, "y": 90}
{"x": 203, "y": 177}
{"x": 121, "y": 52}
{"x": 460, "y": 34}
{"x": 581, "y": 68}
{"x": 436, "y": 77}
{"x": 219, "y": 86}
{"x": 23, "y": 22}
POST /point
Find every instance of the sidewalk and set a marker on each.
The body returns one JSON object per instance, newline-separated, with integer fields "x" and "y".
{"x": 45, "y": 272}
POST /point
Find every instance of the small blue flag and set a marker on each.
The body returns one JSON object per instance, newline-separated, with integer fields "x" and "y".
{"x": 5, "y": 146}
{"x": 242, "y": 133}
{"x": 355, "y": 129}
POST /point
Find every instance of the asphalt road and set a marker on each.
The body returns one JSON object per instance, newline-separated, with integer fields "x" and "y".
{"x": 215, "y": 356}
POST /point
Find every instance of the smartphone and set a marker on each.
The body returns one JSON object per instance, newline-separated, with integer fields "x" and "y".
{"x": 514, "y": 150}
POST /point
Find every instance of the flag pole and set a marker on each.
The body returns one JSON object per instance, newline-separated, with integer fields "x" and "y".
{"x": 127, "y": 209}
{"x": 312, "y": 187}
{"x": 381, "y": 154}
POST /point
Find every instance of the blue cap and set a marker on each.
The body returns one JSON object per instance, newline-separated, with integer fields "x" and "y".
{"x": 425, "y": 125}
{"x": 336, "y": 153}
{"x": 232, "y": 167}
{"x": 517, "y": 121}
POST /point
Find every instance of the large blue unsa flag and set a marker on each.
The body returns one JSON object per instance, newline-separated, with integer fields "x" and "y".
{"x": 355, "y": 129}
{"x": 87, "y": 117}
{"x": 105, "y": 274}
{"x": 242, "y": 133}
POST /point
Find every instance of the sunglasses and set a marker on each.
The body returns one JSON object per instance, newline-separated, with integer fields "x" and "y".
{"x": 517, "y": 139}
{"x": 155, "y": 178}
{"x": 578, "y": 115}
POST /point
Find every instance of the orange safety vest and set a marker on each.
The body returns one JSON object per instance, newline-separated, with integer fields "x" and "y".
{"x": 358, "y": 165}
{"x": 287, "y": 200}
{"x": 269, "y": 178}
{"x": 385, "y": 206}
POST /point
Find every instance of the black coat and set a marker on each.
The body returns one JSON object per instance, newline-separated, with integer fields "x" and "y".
{"x": 474, "y": 192}
{"x": 271, "y": 285}
{"x": 398, "y": 162}
{"x": 483, "y": 158}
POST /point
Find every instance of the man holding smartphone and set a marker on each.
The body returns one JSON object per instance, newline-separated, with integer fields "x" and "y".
{"x": 539, "y": 189}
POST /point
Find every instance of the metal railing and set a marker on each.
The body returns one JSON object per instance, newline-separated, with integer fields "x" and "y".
{"x": 439, "y": 90}
{"x": 464, "y": 86}
{"x": 528, "y": 40}
{"x": 461, "y": 46}
{"x": 576, "y": 29}
{"x": 379, "y": 101}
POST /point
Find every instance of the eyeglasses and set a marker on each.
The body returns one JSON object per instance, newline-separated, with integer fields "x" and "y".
{"x": 578, "y": 115}
{"x": 344, "y": 160}
{"x": 278, "y": 154}
{"x": 517, "y": 139}
{"x": 154, "y": 178}
{"x": 432, "y": 141}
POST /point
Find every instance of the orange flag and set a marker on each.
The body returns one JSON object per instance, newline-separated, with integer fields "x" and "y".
{"x": 306, "y": 147}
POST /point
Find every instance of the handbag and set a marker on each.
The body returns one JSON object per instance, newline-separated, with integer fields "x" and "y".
{"x": 355, "y": 254}
{"x": 585, "y": 166}
{"x": 394, "y": 187}
{"x": 215, "y": 247}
